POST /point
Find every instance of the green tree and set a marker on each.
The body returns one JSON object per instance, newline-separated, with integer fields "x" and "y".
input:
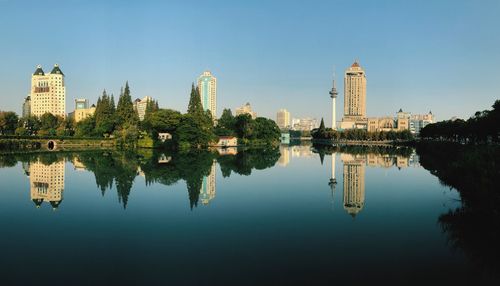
{"x": 163, "y": 120}
{"x": 86, "y": 127}
{"x": 125, "y": 113}
{"x": 195, "y": 107}
{"x": 8, "y": 122}
{"x": 104, "y": 115}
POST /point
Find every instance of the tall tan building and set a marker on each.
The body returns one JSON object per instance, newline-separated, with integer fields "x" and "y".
{"x": 48, "y": 92}
{"x": 207, "y": 83}
{"x": 354, "y": 98}
{"x": 47, "y": 183}
{"x": 283, "y": 119}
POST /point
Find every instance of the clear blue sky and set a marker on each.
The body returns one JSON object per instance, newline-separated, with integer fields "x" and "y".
{"x": 418, "y": 55}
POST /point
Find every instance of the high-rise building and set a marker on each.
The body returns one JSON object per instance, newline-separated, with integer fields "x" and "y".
{"x": 48, "y": 92}
{"x": 47, "y": 183}
{"x": 207, "y": 84}
{"x": 27, "y": 106}
{"x": 246, "y": 109}
{"x": 354, "y": 98}
{"x": 140, "y": 106}
{"x": 283, "y": 119}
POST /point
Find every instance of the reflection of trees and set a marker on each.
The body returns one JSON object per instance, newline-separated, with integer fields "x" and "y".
{"x": 473, "y": 171}
{"x": 121, "y": 168}
{"x": 243, "y": 162}
{"x": 362, "y": 150}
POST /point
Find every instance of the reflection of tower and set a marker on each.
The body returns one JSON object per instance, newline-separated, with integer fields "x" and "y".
{"x": 207, "y": 192}
{"x": 333, "y": 94}
{"x": 47, "y": 183}
{"x": 333, "y": 180}
{"x": 354, "y": 185}
{"x": 284, "y": 159}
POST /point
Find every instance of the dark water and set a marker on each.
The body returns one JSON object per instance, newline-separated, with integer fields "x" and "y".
{"x": 255, "y": 218}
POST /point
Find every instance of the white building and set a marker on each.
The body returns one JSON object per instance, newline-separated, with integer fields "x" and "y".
{"x": 354, "y": 98}
{"x": 48, "y": 92}
{"x": 246, "y": 109}
{"x": 140, "y": 106}
{"x": 207, "y": 84}
{"x": 304, "y": 124}
{"x": 283, "y": 119}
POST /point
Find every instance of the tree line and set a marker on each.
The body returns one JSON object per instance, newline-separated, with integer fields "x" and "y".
{"x": 483, "y": 127}
{"x": 323, "y": 133}
{"x": 194, "y": 129}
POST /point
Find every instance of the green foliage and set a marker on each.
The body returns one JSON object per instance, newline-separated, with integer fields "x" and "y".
{"x": 86, "y": 127}
{"x": 162, "y": 120}
{"x": 104, "y": 115}
{"x": 360, "y": 135}
{"x": 8, "y": 122}
{"x": 125, "y": 113}
{"x": 483, "y": 127}
{"x": 195, "y": 107}
{"x": 195, "y": 131}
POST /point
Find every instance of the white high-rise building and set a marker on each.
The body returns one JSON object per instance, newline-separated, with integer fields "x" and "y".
{"x": 140, "y": 106}
{"x": 283, "y": 119}
{"x": 48, "y": 92}
{"x": 207, "y": 84}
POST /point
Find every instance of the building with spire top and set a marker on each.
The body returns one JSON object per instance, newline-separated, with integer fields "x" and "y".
{"x": 48, "y": 92}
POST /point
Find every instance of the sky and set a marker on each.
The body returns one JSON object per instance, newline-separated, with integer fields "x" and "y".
{"x": 418, "y": 55}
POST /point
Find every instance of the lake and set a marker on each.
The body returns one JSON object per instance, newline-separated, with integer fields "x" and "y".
{"x": 295, "y": 215}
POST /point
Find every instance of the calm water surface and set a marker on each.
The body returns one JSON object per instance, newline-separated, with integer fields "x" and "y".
{"x": 289, "y": 216}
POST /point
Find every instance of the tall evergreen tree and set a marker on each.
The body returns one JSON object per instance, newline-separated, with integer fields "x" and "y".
{"x": 125, "y": 113}
{"x": 195, "y": 107}
{"x": 104, "y": 115}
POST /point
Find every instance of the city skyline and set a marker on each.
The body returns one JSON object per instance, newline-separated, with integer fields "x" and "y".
{"x": 438, "y": 54}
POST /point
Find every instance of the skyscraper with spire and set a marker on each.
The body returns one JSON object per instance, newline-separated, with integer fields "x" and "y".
{"x": 207, "y": 83}
{"x": 48, "y": 92}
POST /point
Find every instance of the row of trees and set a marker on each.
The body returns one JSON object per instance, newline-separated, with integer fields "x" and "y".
{"x": 482, "y": 127}
{"x": 195, "y": 129}
{"x": 358, "y": 134}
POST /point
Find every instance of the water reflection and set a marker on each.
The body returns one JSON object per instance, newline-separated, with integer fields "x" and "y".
{"x": 118, "y": 170}
{"x": 46, "y": 183}
{"x": 354, "y": 183}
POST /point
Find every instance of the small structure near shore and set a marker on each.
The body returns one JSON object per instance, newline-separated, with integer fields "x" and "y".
{"x": 227, "y": 141}
{"x": 164, "y": 136}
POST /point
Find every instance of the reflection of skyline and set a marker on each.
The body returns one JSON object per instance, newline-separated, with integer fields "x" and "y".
{"x": 295, "y": 151}
{"x": 47, "y": 183}
{"x": 207, "y": 191}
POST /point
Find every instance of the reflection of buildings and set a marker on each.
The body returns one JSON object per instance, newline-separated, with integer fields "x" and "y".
{"x": 207, "y": 192}
{"x": 302, "y": 151}
{"x": 284, "y": 159}
{"x": 354, "y": 183}
{"x": 47, "y": 183}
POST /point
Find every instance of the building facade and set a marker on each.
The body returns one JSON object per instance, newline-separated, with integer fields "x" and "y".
{"x": 283, "y": 119}
{"x": 48, "y": 92}
{"x": 207, "y": 84}
{"x": 419, "y": 121}
{"x": 304, "y": 124}
{"x": 140, "y": 106}
{"x": 246, "y": 109}
{"x": 27, "y": 106}
{"x": 354, "y": 98}
{"x": 354, "y": 183}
